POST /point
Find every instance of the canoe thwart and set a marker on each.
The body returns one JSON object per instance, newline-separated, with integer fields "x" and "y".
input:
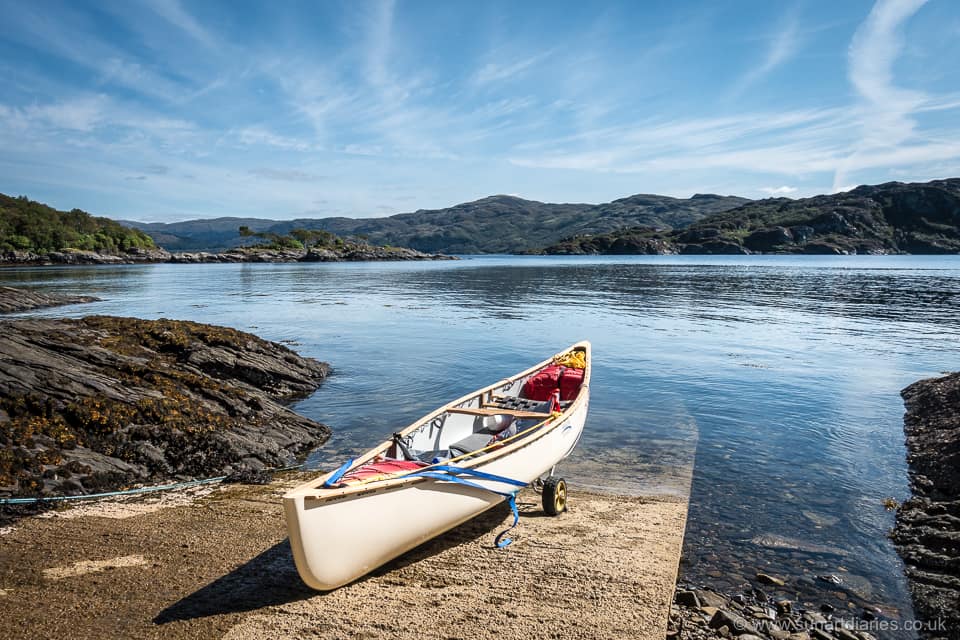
{"x": 499, "y": 412}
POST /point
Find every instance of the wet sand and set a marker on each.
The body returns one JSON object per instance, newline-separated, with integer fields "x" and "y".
{"x": 220, "y": 566}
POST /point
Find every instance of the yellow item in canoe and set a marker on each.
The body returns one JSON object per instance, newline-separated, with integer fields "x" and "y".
{"x": 572, "y": 359}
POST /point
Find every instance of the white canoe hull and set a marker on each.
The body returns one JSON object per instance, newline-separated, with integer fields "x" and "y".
{"x": 336, "y": 540}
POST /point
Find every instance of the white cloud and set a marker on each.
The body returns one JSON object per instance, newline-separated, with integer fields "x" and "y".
{"x": 779, "y": 191}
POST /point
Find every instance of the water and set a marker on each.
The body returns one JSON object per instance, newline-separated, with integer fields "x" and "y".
{"x": 775, "y": 380}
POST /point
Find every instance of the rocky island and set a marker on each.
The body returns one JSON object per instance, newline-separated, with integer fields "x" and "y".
{"x": 927, "y": 534}
{"x": 102, "y": 402}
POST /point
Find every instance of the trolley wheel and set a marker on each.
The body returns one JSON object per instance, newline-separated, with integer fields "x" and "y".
{"x": 554, "y": 496}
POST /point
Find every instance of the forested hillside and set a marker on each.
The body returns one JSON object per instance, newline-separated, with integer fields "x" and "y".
{"x": 29, "y": 226}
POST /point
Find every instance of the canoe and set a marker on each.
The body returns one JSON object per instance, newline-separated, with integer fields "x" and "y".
{"x": 444, "y": 469}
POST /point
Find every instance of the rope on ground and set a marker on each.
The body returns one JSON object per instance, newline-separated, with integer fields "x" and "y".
{"x": 130, "y": 492}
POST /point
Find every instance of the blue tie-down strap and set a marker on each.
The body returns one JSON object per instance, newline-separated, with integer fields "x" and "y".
{"x": 333, "y": 480}
{"x": 446, "y": 473}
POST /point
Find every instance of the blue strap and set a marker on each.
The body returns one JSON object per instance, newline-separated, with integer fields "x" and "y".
{"x": 500, "y": 541}
{"x": 445, "y": 473}
{"x": 483, "y": 475}
{"x": 335, "y": 478}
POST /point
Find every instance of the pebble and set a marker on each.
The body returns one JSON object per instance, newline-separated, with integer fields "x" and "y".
{"x": 784, "y": 607}
{"x": 766, "y": 578}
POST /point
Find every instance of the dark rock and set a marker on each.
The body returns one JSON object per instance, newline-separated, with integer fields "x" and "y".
{"x": 249, "y": 476}
{"x": 824, "y": 248}
{"x": 802, "y": 233}
{"x": 104, "y": 402}
{"x": 927, "y": 532}
{"x": 710, "y": 598}
{"x": 14, "y": 299}
{"x": 699, "y": 234}
{"x": 718, "y": 247}
{"x": 687, "y": 599}
{"x": 832, "y": 222}
{"x": 737, "y": 624}
{"x": 768, "y": 239}
{"x": 772, "y": 580}
{"x": 814, "y": 619}
{"x": 632, "y": 245}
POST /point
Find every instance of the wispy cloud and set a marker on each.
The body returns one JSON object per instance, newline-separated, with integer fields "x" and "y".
{"x": 500, "y": 71}
{"x": 175, "y": 14}
{"x": 885, "y": 109}
{"x": 81, "y": 114}
{"x": 260, "y": 136}
{"x": 285, "y": 175}
{"x": 781, "y": 47}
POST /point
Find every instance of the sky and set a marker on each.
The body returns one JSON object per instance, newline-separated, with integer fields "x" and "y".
{"x": 167, "y": 110}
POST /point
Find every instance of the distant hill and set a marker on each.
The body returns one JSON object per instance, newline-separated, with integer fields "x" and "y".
{"x": 888, "y": 218}
{"x": 28, "y": 226}
{"x": 497, "y": 224}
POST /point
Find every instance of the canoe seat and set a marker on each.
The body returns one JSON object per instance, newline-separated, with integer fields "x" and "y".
{"x": 473, "y": 442}
{"x": 521, "y": 404}
{"x": 514, "y": 402}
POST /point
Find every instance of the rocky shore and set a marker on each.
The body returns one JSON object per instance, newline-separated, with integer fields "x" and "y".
{"x": 766, "y": 611}
{"x": 927, "y": 534}
{"x": 77, "y": 257}
{"x": 102, "y": 402}
{"x": 349, "y": 252}
{"x": 13, "y": 299}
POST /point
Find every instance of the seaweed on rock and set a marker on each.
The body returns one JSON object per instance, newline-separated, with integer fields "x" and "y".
{"x": 101, "y": 402}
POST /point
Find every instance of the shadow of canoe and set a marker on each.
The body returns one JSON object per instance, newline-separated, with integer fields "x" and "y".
{"x": 271, "y": 578}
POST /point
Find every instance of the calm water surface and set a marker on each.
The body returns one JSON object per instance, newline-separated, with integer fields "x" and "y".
{"x": 774, "y": 380}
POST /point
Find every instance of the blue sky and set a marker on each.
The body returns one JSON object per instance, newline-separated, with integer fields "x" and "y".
{"x": 160, "y": 110}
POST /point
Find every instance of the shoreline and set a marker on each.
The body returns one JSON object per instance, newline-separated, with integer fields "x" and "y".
{"x": 348, "y": 253}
